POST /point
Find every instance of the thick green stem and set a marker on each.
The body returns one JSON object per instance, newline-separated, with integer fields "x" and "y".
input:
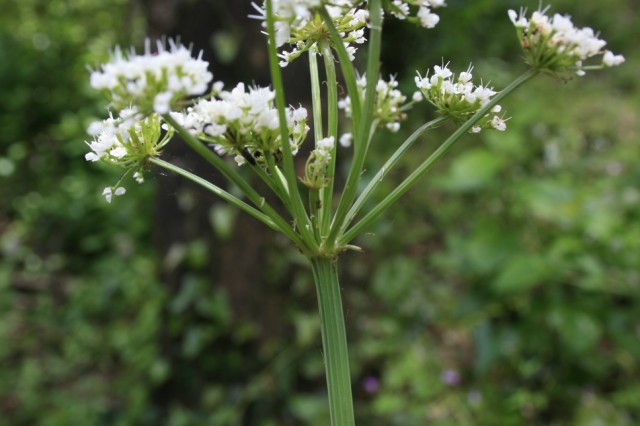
{"x": 413, "y": 178}
{"x": 334, "y": 341}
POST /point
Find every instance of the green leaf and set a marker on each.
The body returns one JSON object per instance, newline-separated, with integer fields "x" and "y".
{"x": 472, "y": 170}
{"x": 521, "y": 273}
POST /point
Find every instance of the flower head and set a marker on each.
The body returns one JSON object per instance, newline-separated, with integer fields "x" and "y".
{"x": 244, "y": 123}
{"x": 424, "y": 14}
{"x": 152, "y": 81}
{"x": 127, "y": 141}
{"x": 458, "y": 97}
{"x": 389, "y": 105}
{"x": 317, "y": 163}
{"x": 298, "y": 23}
{"x": 554, "y": 44}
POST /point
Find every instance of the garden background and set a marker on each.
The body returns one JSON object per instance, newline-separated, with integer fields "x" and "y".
{"x": 503, "y": 290}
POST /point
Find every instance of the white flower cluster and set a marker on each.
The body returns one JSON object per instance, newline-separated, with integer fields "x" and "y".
{"x": 244, "y": 123}
{"x": 126, "y": 141}
{"x": 297, "y": 22}
{"x": 458, "y": 98}
{"x": 555, "y": 44}
{"x": 152, "y": 81}
{"x": 316, "y": 167}
{"x": 389, "y": 103}
{"x": 425, "y": 16}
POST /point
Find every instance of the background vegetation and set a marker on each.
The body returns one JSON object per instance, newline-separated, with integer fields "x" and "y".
{"x": 503, "y": 291}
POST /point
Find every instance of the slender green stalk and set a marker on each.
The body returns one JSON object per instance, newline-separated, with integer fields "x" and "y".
{"x": 316, "y": 98}
{"x": 273, "y": 180}
{"x": 326, "y": 194}
{"x": 348, "y": 72}
{"x": 413, "y": 178}
{"x": 363, "y": 136}
{"x": 217, "y": 191}
{"x": 298, "y": 211}
{"x": 334, "y": 341}
{"x": 386, "y": 168}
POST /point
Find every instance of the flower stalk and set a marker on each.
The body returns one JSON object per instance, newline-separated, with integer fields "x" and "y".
{"x": 334, "y": 340}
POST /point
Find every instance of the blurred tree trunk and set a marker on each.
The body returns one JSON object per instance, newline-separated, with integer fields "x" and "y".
{"x": 233, "y": 46}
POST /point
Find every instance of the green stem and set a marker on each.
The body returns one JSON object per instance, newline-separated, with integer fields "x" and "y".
{"x": 413, "y": 178}
{"x": 316, "y": 100}
{"x": 348, "y": 72}
{"x": 363, "y": 136}
{"x": 326, "y": 195}
{"x": 386, "y": 168}
{"x": 334, "y": 341}
{"x": 298, "y": 211}
{"x": 218, "y": 191}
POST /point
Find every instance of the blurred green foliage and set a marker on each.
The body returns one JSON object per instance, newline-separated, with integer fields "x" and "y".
{"x": 503, "y": 291}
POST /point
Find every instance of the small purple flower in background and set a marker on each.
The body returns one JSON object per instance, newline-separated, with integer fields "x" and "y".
{"x": 371, "y": 384}
{"x": 450, "y": 377}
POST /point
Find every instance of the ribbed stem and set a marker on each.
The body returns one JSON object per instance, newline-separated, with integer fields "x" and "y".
{"x": 334, "y": 341}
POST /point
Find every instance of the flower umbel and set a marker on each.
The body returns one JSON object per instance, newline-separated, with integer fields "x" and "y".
{"x": 390, "y": 103}
{"x": 298, "y": 22}
{"x": 316, "y": 167}
{"x": 152, "y": 81}
{"x": 554, "y": 44}
{"x": 458, "y": 98}
{"x": 244, "y": 123}
{"x": 127, "y": 141}
{"x": 424, "y": 15}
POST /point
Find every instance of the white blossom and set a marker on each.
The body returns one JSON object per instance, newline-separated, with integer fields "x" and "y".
{"x": 612, "y": 60}
{"x": 244, "y": 122}
{"x": 346, "y": 140}
{"x": 554, "y": 44}
{"x": 390, "y": 103}
{"x": 150, "y": 81}
{"x": 458, "y": 97}
{"x": 295, "y": 23}
{"x": 425, "y": 15}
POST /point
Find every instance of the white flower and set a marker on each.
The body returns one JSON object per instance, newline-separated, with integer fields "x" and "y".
{"x": 458, "y": 97}
{"x": 127, "y": 141}
{"x": 151, "y": 80}
{"x": 611, "y": 60}
{"x": 324, "y": 147}
{"x": 346, "y": 140}
{"x": 138, "y": 177}
{"x": 161, "y": 103}
{"x": 107, "y": 193}
{"x": 244, "y": 122}
{"x": 428, "y": 19}
{"x": 555, "y": 44}
{"x": 424, "y": 16}
{"x": 389, "y": 103}
{"x": 296, "y": 23}
{"x": 498, "y": 123}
